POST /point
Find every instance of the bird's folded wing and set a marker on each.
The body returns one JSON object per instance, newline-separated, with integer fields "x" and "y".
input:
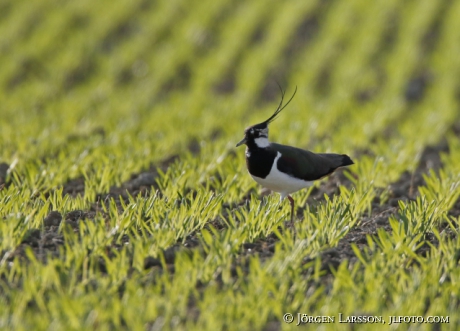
{"x": 307, "y": 165}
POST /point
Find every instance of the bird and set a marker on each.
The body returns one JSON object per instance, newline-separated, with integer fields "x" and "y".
{"x": 285, "y": 169}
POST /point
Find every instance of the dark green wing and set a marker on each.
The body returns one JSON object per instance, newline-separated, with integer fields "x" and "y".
{"x": 308, "y": 165}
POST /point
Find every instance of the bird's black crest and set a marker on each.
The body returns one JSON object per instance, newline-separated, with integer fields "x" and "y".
{"x": 280, "y": 106}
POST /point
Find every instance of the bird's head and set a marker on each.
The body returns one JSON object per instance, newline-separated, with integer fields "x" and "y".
{"x": 258, "y": 134}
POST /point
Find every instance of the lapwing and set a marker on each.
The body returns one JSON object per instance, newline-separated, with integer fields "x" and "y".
{"x": 285, "y": 169}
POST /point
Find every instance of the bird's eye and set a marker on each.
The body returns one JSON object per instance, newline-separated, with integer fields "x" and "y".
{"x": 252, "y": 131}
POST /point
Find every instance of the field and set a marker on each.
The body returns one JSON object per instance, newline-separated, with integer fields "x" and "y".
{"x": 124, "y": 204}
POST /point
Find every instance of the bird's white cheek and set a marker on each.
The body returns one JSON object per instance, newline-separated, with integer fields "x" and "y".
{"x": 262, "y": 142}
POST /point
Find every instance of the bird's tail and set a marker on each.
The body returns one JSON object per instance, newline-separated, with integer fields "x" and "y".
{"x": 334, "y": 162}
{"x": 345, "y": 161}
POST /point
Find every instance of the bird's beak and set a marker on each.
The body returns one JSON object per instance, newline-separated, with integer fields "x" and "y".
{"x": 241, "y": 142}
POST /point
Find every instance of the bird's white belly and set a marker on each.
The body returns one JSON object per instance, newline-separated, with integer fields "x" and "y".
{"x": 280, "y": 182}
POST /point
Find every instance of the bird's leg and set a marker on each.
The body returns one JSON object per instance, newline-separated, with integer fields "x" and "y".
{"x": 291, "y": 200}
